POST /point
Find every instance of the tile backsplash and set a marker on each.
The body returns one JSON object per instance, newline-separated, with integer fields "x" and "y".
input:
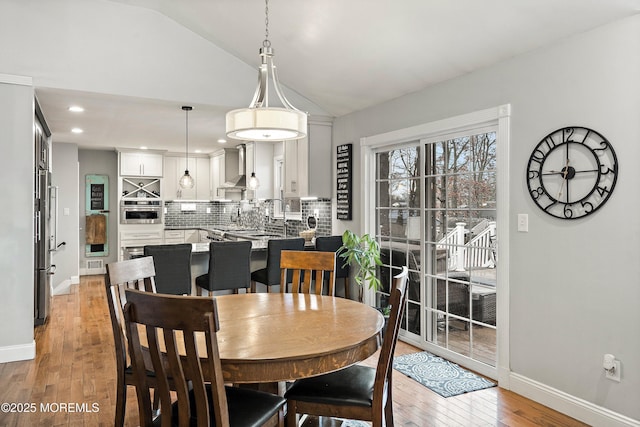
{"x": 220, "y": 214}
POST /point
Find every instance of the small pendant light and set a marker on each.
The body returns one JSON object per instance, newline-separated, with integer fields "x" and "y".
{"x": 187, "y": 180}
{"x": 254, "y": 183}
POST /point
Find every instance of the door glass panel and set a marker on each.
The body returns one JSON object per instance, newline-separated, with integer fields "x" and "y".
{"x": 450, "y": 226}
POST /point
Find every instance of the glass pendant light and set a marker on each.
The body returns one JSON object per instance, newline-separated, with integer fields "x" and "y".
{"x": 253, "y": 183}
{"x": 186, "y": 181}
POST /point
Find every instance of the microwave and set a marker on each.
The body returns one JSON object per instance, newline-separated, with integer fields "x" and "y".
{"x": 140, "y": 211}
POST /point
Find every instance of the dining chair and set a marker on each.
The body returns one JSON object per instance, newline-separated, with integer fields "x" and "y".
{"x": 199, "y": 400}
{"x": 307, "y": 269}
{"x": 357, "y": 392}
{"x": 270, "y": 275}
{"x": 173, "y": 267}
{"x": 333, "y": 244}
{"x": 229, "y": 267}
{"x": 137, "y": 273}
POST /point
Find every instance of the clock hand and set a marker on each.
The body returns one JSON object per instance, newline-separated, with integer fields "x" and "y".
{"x": 564, "y": 173}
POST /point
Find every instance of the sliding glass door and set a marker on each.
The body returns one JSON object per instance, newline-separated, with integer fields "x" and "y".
{"x": 436, "y": 212}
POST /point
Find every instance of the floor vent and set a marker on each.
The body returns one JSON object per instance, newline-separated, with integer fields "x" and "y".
{"x": 95, "y": 264}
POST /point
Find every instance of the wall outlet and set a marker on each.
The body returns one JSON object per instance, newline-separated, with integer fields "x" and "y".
{"x": 208, "y": 210}
{"x": 316, "y": 213}
{"x": 614, "y": 374}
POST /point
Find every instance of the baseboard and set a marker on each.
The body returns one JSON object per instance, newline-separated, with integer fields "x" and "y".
{"x": 13, "y": 353}
{"x": 92, "y": 271}
{"x": 64, "y": 288}
{"x": 572, "y": 406}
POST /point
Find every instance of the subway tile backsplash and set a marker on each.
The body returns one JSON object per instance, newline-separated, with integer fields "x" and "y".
{"x": 220, "y": 214}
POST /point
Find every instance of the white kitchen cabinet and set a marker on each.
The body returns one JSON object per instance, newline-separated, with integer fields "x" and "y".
{"x": 320, "y": 169}
{"x": 174, "y": 169}
{"x": 173, "y": 236}
{"x": 134, "y": 163}
{"x": 139, "y": 238}
{"x": 263, "y": 167}
{"x": 224, "y": 165}
{"x": 296, "y": 168}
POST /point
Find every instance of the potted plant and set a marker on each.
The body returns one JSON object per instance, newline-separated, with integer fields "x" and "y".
{"x": 363, "y": 252}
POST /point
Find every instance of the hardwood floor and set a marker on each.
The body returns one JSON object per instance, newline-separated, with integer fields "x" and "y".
{"x": 75, "y": 366}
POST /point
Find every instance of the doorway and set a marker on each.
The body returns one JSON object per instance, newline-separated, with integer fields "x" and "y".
{"x": 435, "y": 208}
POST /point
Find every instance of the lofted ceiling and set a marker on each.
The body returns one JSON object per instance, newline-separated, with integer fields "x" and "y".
{"x": 343, "y": 56}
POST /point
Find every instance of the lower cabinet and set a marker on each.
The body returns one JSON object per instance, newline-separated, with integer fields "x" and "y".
{"x": 134, "y": 239}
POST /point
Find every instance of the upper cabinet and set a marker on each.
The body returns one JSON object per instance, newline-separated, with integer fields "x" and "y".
{"x": 174, "y": 167}
{"x": 320, "y": 148}
{"x": 307, "y": 162}
{"x": 259, "y": 158}
{"x": 224, "y": 166}
{"x": 135, "y": 163}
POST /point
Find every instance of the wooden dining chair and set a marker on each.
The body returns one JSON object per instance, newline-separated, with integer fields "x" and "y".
{"x": 199, "y": 400}
{"x": 137, "y": 273}
{"x": 357, "y": 392}
{"x": 304, "y": 268}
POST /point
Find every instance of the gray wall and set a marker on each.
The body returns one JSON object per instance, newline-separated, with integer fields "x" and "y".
{"x": 574, "y": 289}
{"x": 16, "y": 220}
{"x": 65, "y": 176}
{"x": 99, "y": 162}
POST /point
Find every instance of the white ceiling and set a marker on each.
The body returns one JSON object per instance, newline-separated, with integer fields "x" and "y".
{"x": 343, "y": 56}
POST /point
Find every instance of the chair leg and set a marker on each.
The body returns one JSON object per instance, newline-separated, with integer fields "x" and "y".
{"x": 291, "y": 417}
{"x": 121, "y": 401}
{"x": 346, "y": 288}
{"x": 253, "y": 287}
{"x": 388, "y": 408}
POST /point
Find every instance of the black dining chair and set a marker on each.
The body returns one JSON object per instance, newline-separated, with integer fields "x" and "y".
{"x": 357, "y": 392}
{"x": 270, "y": 275}
{"x": 173, "y": 267}
{"x": 333, "y": 244}
{"x": 229, "y": 267}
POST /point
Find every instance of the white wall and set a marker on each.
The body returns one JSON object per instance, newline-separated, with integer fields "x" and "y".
{"x": 16, "y": 218}
{"x": 108, "y": 47}
{"x": 574, "y": 285}
{"x": 64, "y": 175}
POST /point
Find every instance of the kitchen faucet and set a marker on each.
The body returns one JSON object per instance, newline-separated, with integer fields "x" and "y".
{"x": 284, "y": 214}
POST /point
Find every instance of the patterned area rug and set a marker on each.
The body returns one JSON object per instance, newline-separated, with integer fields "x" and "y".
{"x": 444, "y": 377}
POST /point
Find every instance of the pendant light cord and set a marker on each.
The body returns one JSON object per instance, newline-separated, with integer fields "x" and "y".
{"x": 186, "y": 109}
{"x": 266, "y": 42}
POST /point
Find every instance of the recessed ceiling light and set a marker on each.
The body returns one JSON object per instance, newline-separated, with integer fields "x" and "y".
{"x": 143, "y": 147}
{"x": 198, "y": 151}
{"x": 77, "y": 130}
{"x": 76, "y": 109}
{"x": 222, "y": 141}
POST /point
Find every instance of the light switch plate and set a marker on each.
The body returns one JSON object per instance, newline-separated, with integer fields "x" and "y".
{"x": 523, "y": 222}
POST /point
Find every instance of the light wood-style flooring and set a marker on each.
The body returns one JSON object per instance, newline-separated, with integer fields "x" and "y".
{"x": 75, "y": 366}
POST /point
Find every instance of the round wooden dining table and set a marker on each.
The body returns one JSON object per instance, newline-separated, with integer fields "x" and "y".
{"x": 275, "y": 337}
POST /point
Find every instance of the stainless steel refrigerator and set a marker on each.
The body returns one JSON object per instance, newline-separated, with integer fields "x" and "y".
{"x": 44, "y": 239}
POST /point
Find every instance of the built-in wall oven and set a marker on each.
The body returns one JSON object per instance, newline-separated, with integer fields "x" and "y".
{"x": 136, "y": 211}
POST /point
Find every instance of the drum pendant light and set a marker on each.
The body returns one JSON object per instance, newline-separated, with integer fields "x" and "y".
{"x": 260, "y": 122}
{"x": 186, "y": 181}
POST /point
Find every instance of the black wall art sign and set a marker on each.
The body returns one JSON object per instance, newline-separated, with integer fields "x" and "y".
{"x": 344, "y": 181}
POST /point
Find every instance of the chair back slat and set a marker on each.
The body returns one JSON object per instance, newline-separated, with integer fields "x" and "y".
{"x": 306, "y": 268}
{"x": 177, "y": 319}
{"x": 398, "y": 302}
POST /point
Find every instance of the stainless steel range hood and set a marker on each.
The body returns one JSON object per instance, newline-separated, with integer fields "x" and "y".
{"x": 239, "y": 181}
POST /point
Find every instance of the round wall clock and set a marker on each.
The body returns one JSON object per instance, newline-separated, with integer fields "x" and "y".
{"x": 572, "y": 172}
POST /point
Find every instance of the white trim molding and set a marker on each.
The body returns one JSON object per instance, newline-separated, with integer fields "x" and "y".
{"x": 14, "y": 353}
{"x": 570, "y": 405}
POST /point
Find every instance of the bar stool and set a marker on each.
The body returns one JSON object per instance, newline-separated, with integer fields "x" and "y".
{"x": 173, "y": 267}
{"x": 333, "y": 244}
{"x": 229, "y": 267}
{"x": 270, "y": 275}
